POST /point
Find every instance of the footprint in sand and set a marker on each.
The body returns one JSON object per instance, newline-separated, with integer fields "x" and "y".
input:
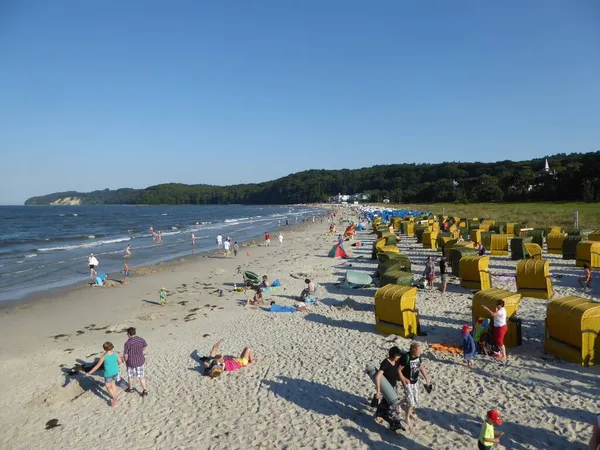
{"x": 194, "y": 309}
{"x": 80, "y": 332}
{"x": 58, "y": 336}
{"x": 182, "y": 303}
{"x": 69, "y": 350}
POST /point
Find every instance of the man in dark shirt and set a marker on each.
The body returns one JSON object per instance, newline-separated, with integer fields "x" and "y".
{"x": 135, "y": 348}
{"x": 443, "y": 274}
{"x": 389, "y": 370}
{"x": 409, "y": 368}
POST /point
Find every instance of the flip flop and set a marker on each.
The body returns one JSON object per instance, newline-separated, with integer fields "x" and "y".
{"x": 129, "y": 390}
{"x": 144, "y": 393}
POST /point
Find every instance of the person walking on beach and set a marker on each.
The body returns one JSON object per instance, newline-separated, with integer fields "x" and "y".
{"x": 125, "y": 272}
{"x": 219, "y": 242}
{"x": 267, "y": 239}
{"x": 280, "y": 239}
{"x": 409, "y": 368}
{"x": 488, "y": 436}
{"x": 135, "y": 361}
{"x": 443, "y": 274}
{"x": 93, "y": 263}
{"x": 226, "y": 247}
{"x": 128, "y": 251}
{"x": 193, "y": 238}
{"x": 389, "y": 370}
{"x": 110, "y": 361}
{"x": 500, "y": 327}
{"x": 236, "y": 249}
{"x": 586, "y": 281}
{"x": 429, "y": 272}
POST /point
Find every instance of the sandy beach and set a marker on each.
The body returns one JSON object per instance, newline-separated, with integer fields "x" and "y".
{"x": 308, "y": 388}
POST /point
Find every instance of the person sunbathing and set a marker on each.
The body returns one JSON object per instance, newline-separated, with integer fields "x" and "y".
{"x": 216, "y": 363}
{"x": 287, "y": 309}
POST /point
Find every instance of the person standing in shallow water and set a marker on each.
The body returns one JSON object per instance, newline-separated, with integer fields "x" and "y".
{"x": 93, "y": 263}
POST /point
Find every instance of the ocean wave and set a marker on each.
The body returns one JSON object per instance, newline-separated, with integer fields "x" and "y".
{"x": 33, "y": 255}
{"x": 86, "y": 245}
{"x": 239, "y": 219}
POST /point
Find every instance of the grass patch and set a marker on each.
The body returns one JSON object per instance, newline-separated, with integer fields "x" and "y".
{"x": 536, "y": 215}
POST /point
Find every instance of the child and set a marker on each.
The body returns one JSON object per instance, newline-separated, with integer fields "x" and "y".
{"x": 488, "y": 437}
{"x": 163, "y": 296}
{"x": 265, "y": 282}
{"x": 256, "y": 299}
{"x": 236, "y": 247}
{"x": 126, "y": 272}
{"x": 468, "y": 346}
{"x": 110, "y": 360}
{"x": 480, "y": 334}
{"x": 586, "y": 281}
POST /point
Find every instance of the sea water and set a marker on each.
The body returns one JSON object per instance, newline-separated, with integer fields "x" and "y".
{"x": 45, "y": 247}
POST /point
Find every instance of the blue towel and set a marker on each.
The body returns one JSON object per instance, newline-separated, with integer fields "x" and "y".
{"x": 282, "y": 309}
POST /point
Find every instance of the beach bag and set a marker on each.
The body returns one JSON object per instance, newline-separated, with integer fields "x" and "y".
{"x": 276, "y": 283}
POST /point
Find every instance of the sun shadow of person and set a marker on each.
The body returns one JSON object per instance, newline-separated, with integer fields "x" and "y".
{"x": 330, "y": 401}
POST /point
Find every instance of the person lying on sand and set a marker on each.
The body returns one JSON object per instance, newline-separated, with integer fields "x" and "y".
{"x": 216, "y": 363}
{"x": 287, "y": 309}
{"x": 256, "y": 299}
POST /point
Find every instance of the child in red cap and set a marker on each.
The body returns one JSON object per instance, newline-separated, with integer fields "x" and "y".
{"x": 468, "y": 346}
{"x": 488, "y": 437}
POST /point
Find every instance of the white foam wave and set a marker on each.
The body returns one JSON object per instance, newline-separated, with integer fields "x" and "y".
{"x": 86, "y": 245}
{"x": 239, "y": 219}
{"x": 91, "y": 236}
{"x": 33, "y": 255}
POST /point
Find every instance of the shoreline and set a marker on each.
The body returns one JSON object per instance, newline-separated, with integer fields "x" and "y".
{"x": 143, "y": 268}
{"x": 137, "y": 272}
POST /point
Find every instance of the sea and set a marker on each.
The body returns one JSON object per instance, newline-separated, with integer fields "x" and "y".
{"x": 46, "y": 247}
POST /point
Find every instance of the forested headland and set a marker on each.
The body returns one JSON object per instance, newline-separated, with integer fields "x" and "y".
{"x": 573, "y": 177}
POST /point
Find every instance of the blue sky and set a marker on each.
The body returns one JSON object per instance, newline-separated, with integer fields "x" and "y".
{"x": 97, "y": 94}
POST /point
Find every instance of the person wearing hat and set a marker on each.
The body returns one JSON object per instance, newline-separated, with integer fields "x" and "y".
{"x": 468, "y": 346}
{"x": 488, "y": 436}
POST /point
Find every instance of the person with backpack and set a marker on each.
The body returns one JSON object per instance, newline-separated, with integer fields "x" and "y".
{"x": 409, "y": 369}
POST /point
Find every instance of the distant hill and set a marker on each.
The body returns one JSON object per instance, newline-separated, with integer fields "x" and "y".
{"x": 568, "y": 178}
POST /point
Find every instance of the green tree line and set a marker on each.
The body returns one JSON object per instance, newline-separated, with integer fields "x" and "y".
{"x": 573, "y": 177}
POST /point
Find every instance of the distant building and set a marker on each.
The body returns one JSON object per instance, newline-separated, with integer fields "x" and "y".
{"x": 344, "y": 198}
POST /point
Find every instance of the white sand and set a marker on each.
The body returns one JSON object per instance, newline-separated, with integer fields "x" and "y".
{"x": 308, "y": 389}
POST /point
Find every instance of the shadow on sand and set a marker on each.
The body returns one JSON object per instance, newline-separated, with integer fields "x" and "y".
{"x": 329, "y": 401}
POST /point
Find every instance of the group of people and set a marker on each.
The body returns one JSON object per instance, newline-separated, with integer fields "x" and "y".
{"x": 268, "y": 239}
{"x": 227, "y": 246}
{"x": 406, "y": 369}
{"x": 134, "y": 360}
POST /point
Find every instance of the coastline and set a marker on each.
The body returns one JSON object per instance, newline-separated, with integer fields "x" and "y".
{"x": 149, "y": 264}
{"x": 137, "y": 272}
{"x": 308, "y": 388}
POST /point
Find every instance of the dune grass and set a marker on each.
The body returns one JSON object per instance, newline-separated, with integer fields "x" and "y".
{"x": 536, "y": 215}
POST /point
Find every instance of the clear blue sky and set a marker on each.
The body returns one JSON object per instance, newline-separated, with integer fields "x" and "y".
{"x": 97, "y": 94}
